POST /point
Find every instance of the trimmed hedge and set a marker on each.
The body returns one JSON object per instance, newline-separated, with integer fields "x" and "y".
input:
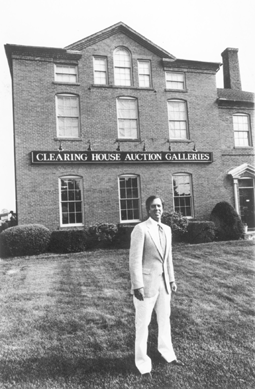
{"x": 68, "y": 241}
{"x": 178, "y": 224}
{"x": 200, "y": 232}
{"x": 123, "y": 237}
{"x": 228, "y": 223}
{"x": 102, "y": 235}
{"x": 27, "y": 239}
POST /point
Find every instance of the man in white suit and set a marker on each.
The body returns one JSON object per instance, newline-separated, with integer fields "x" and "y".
{"x": 152, "y": 280}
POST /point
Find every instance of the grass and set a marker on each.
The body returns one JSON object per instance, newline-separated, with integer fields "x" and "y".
{"x": 67, "y": 321}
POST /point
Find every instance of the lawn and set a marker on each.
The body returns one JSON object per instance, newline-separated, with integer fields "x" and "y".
{"x": 67, "y": 321}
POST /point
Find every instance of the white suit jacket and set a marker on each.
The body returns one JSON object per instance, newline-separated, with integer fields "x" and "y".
{"x": 147, "y": 263}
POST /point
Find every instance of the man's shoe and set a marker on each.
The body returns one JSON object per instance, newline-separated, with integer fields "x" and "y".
{"x": 146, "y": 376}
{"x": 177, "y": 362}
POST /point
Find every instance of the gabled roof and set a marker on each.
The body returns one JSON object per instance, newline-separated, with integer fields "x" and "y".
{"x": 120, "y": 27}
{"x": 243, "y": 170}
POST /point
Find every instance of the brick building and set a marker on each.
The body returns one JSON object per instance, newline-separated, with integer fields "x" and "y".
{"x": 111, "y": 119}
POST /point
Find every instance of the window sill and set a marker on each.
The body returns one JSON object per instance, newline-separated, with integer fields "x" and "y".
{"x": 123, "y": 222}
{"x": 71, "y": 226}
{"x": 121, "y": 87}
{"x": 243, "y": 148}
{"x": 68, "y": 139}
{"x": 66, "y": 83}
{"x": 180, "y": 141}
{"x": 176, "y": 90}
{"x": 138, "y": 140}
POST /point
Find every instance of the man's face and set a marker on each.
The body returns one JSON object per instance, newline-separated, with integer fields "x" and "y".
{"x": 156, "y": 210}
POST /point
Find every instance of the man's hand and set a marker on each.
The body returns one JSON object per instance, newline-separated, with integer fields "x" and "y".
{"x": 139, "y": 294}
{"x": 173, "y": 287}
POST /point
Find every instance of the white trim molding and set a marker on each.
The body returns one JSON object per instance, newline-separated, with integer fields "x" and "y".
{"x": 244, "y": 170}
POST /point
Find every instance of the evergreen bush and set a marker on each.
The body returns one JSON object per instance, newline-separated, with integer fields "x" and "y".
{"x": 68, "y": 241}
{"x": 27, "y": 239}
{"x": 200, "y": 232}
{"x": 178, "y": 224}
{"x": 228, "y": 223}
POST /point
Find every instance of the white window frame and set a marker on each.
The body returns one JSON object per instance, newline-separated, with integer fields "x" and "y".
{"x": 123, "y": 67}
{"x": 80, "y": 180}
{"x": 141, "y": 74}
{"x": 127, "y": 176}
{"x": 191, "y": 194}
{"x": 239, "y": 130}
{"x": 58, "y": 116}
{"x": 127, "y": 119}
{"x": 65, "y": 73}
{"x": 182, "y": 120}
{"x": 100, "y": 71}
{"x": 175, "y": 83}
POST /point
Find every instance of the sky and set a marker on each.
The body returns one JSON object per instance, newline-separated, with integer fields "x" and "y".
{"x": 188, "y": 29}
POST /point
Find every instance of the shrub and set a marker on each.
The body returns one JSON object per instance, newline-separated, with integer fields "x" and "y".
{"x": 228, "y": 223}
{"x": 68, "y": 241}
{"x": 101, "y": 235}
{"x": 4, "y": 251}
{"x": 29, "y": 239}
{"x": 122, "y": 239}
{"x": 178, "y": 224}
{"x": 200, "y": 232}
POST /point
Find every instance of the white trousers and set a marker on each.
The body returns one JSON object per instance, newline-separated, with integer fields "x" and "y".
{"x": 143, "y": 312}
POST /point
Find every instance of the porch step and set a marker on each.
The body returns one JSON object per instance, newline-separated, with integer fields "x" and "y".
{"x": 249, "y": 235}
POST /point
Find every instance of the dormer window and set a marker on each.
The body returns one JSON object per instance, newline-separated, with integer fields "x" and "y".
{"x": 122, "y": 67}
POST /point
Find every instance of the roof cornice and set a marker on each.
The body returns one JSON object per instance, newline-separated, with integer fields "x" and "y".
{"x": 191, "y": 64}
{"x": 39, "y": 52}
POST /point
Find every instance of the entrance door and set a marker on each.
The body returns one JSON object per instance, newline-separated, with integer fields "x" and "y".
{"x": 246, "y": 198}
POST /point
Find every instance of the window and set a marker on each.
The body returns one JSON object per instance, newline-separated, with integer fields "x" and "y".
{"x": 182, "y": 188}
{"x": 177, "y": 117}
{"x": 66, "y": 73}
{"x": 175, "y": 80}
{"x": 67, "y": 116}
{"x": 122, "y": 67}
{"x": 129, "y": 195}
{"x": 71, "y": 201}
{"x": 241, "y": 130}
{"x": 144, "y": 73}
{"x": 100, "y": 71}
{"x": 127, "y": 118}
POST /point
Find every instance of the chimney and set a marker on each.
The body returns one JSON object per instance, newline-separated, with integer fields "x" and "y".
{"x": 231, "y": 73}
